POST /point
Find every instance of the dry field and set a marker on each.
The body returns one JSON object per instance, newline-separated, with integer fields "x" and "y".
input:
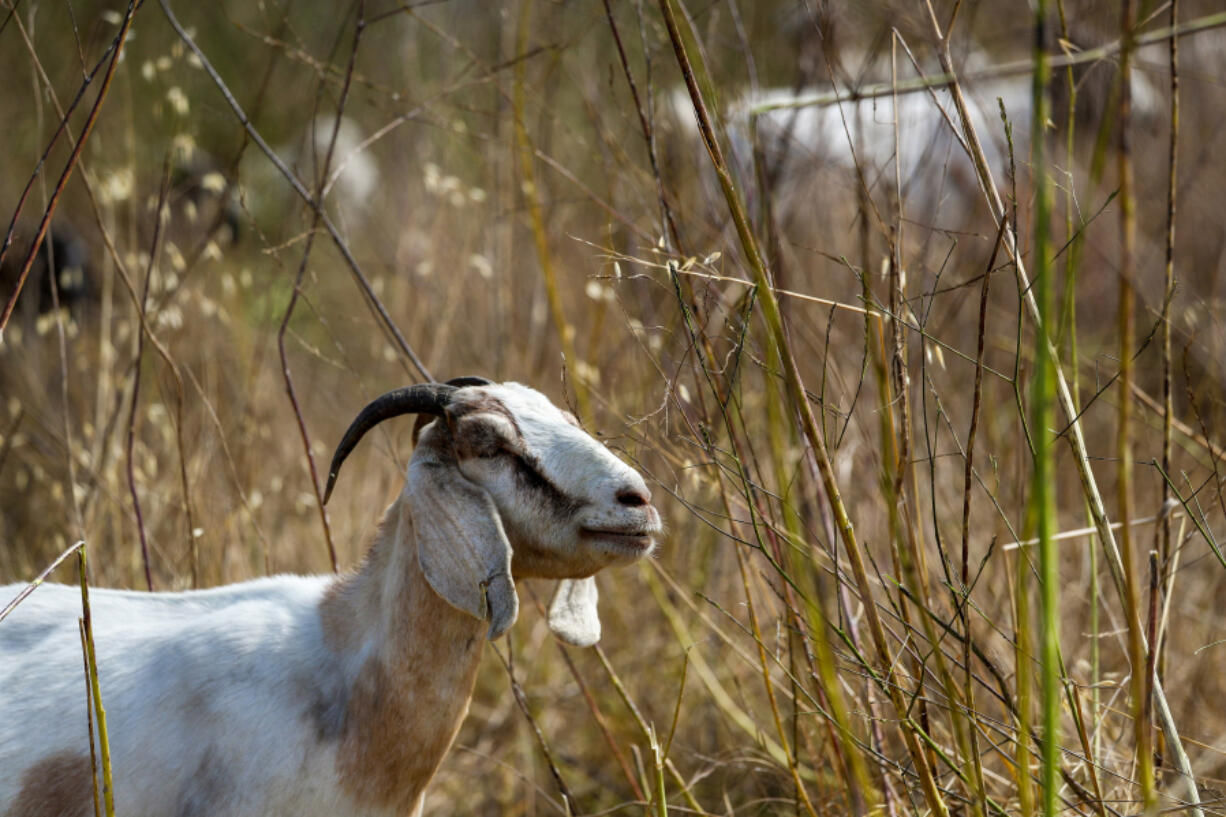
{"x": 832, "y": 368}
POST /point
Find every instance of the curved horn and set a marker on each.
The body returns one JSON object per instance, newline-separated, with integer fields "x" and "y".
{"x": 424, "y": 398}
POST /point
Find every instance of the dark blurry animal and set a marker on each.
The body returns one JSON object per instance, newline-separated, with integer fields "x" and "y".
{"x": 63, "y": 261}
{"x": 204, "y": 198}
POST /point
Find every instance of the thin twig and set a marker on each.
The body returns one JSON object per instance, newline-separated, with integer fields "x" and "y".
{"x": 287, "y": 376}
{"x": 38, "y": 580}
{"x": 968, "y": 688}
{"x": 568, "y": 799}
{"x": 140, "y": 349}
{"x": 1168, "y": 411}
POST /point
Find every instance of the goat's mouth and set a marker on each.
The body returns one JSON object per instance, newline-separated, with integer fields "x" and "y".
{"x": 635, "y": 542}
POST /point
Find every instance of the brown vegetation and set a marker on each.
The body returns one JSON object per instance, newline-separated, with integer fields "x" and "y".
{"x": 521, "y": 203}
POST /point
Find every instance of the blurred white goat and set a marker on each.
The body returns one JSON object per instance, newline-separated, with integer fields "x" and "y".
{"x": 351, "y": 184}
{"x": 802, "y": 133}
{"x": 327, "y": 695}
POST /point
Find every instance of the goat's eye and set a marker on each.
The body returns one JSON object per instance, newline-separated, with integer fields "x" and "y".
{"x": 489, "y": 448}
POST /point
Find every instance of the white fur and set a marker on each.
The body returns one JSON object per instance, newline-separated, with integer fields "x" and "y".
{"x": 936, "y": 172}
{"x": 237, "y": 700}
{"x": 244, "y": 649}
{"x": 572, "y": 459}
{"x": 353, "y": 175}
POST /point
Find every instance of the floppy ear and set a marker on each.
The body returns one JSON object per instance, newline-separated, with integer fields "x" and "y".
{"x": 461, "y": 546}
{"x": 572, "y": 613}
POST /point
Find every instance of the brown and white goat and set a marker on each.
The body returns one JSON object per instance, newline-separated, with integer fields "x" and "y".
{"x": 321, "y": 695}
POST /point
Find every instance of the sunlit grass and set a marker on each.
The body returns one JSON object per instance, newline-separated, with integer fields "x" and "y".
{"x": 854, "y": 608}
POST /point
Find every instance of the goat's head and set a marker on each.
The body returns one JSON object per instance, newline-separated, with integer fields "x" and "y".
{"x": 505, "y": 483}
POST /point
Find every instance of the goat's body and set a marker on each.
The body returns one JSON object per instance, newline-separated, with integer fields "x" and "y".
{"x": 328, "y": 695}
{"x": 176, "y": 670}
{"x": 253, "y": 699}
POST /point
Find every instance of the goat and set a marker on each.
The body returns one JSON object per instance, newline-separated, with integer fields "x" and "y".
{"x": 62, "y": 258}
{"x": 353, "y": 179}
{"x": 203, "y": 199}
{"x": 800, "y": 136}
{"x": 322, "y": 695}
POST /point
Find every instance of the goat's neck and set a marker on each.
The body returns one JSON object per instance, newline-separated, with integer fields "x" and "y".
{"x": 413, "y": 658}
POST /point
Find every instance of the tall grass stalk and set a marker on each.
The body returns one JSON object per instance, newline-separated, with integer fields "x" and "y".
{"x": 1023, "y": 660}
{"x": 89, "y": 720}
{"x": 800, "y": 404}
{"x": 1139, "y": 683}
{"x": 1075, "y": 435}
{"x": 1042, "y": 410}
{"x": 104, "y": 743}
{"x": 659, "y": 794}
{"x": 1072, "y": 259}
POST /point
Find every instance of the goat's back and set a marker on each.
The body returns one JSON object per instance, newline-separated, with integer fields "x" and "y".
{"x": 204, "y": 691}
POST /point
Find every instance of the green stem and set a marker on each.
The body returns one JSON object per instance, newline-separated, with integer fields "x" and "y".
{"x": 1043, "y": 398}
{"x": 108, "y": 789}
{"x": 800, "y": 404}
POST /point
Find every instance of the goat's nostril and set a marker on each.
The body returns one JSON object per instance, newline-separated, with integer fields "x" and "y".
{"x": 633, "y": 497}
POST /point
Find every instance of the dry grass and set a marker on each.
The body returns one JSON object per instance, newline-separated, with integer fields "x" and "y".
{"x": 533, "y": 215}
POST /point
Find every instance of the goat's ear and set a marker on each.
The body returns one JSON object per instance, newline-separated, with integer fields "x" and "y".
{"x": 572, "y": 613}
{"x": 461, "y": 546}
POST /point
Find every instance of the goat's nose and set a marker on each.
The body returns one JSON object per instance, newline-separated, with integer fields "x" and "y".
{"x": 634, "y": 496}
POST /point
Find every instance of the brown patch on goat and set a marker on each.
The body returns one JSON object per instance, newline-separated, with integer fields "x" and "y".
{"x": 59, "y": 785}
{"x": 394, "y": 742}
{"x": 481, "y": 404}
{"x": 406, "y": 704}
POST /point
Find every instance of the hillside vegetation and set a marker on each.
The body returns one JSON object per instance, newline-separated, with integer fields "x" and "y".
{"x": 899, "y": 575}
